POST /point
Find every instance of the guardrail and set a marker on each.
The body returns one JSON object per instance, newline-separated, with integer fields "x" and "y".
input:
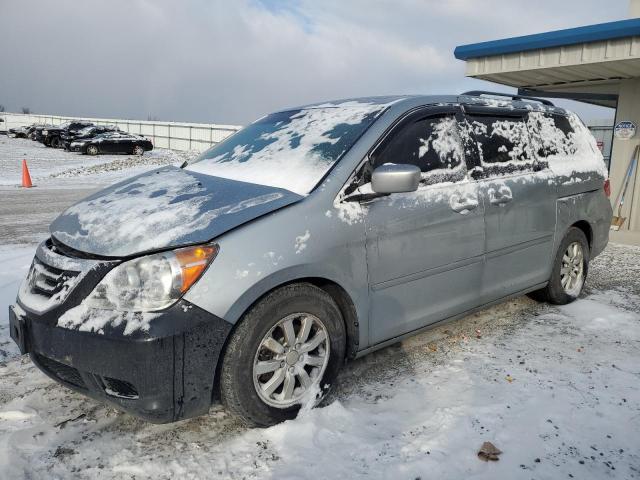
{"x": 173, "y": 135}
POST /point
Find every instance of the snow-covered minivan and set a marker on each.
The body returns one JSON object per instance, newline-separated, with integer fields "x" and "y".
{"x": 312, "y": 236}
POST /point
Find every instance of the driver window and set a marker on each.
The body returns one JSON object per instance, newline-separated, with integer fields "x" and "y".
{"x": 432, "y": 144}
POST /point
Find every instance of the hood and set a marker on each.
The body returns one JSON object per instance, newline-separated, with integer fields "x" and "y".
{"x": 164, "y": 208}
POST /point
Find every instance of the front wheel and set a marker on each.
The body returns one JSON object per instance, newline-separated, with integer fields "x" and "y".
{"x": 286, "y": 349}
{"x": 138, "y": 150}
{"x": 570, "y": 268}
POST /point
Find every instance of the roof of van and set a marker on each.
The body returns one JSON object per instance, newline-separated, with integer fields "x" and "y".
{"x": 416, "y": 100}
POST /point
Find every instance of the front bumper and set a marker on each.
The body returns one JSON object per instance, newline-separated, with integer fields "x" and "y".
{"x": 159, "y": 378}
{"x": 162, "y": 373}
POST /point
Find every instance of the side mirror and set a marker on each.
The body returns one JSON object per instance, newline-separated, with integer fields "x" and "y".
{"x": 394, "y": 178}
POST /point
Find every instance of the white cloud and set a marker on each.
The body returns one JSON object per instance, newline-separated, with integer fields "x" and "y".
{"x": 230, "y": 62}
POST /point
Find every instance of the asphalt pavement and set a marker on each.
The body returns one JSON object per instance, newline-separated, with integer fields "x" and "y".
{"x": 25, "y": 213}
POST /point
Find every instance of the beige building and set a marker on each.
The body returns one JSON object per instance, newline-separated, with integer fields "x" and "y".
{"x": 597, "y": 64}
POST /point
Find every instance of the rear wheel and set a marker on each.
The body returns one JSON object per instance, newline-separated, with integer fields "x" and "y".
{"x": 92, "y": 150}
{"x": 286, "y": 349}
{"x": 569, "y": 272}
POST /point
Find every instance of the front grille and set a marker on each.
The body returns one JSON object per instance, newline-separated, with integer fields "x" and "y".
{"x": 63, "y": 372}
{"x": 52, "y": 277}
{"x": 49, "y": 281}
{"x": 119, "y": 388}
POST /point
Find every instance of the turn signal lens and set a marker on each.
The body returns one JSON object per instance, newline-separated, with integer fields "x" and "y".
{"x": 607, "y": 188}
{"x": 193, "y": 261}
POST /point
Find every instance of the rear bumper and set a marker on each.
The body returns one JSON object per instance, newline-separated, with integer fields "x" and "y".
{"x": 162, "y": 377}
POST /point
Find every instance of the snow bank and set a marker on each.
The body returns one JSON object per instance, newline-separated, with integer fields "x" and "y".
{"x": 57, "y": 168}
{"x": 14, "y": 265}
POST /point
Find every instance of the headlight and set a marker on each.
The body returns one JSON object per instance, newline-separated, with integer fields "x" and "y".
{"x": 45, "y": 132}
{"x": 153, "y": 282}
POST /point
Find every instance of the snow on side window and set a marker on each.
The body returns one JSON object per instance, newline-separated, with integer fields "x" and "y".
{"x": 502, "y": 142}
{"x": 291, "y": 150}
{"x": 432, "y": 144}
{"x": 566, "y": 144}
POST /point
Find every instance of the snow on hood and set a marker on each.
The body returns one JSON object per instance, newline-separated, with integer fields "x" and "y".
{"x": 163, "y": 208}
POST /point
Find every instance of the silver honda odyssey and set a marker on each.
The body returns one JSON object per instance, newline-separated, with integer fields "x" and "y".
{"x": 313, "y": 236}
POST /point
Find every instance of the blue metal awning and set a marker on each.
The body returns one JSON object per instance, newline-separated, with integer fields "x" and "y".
{"x": 558, "y": 38}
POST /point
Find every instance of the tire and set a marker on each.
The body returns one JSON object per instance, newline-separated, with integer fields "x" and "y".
{"x": 558, "y": 291}
{"x": 239, "y": 383}
{"x": 138, "y": 150}
{"x": 92, "y": 150}
{"x": 54, "y": 142}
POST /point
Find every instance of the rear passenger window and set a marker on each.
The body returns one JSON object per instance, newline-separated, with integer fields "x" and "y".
{"x": 552, "y": 134}
{"x": 503, "y": 144}
{"x": 432, "y": 144}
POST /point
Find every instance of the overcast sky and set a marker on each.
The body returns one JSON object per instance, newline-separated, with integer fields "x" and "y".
{"x": 231, "y": 62}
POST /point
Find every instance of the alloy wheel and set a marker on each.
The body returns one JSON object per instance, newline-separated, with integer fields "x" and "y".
{"x": 291, "y": 357}
{"x": 572, "y": 269}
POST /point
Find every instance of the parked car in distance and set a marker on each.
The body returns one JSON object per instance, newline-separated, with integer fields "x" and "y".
{"x": 112, "y": 142}
{"x": 52, "y": 136}
{"x": 18, "y": 132}
{"x": 38, "y": 132}
{"x": 86, "y": 133}
{"x": 311, "y": 237}
{"x": 24, "y": 131}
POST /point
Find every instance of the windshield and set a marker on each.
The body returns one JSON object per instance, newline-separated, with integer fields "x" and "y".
{"x": 291, "y": 150}
{"x": 86, "y": 130}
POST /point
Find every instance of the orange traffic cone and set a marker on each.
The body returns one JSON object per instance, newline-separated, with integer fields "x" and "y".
{"x": 26, "y": 178}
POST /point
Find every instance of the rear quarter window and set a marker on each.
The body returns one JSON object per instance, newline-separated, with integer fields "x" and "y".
{"x": 565, "y": 143}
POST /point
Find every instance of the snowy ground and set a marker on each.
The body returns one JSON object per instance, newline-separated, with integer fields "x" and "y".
{"x": 556, "y": 389}
{"x": 57, "y": 168}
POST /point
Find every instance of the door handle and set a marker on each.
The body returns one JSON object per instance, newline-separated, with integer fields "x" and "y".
{"x": 502, "y": 196}
{"x": 462, "y": 205}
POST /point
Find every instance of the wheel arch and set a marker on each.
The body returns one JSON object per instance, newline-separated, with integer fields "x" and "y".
{"x": 586, "y": 228}
{"x": 334, "y": 290}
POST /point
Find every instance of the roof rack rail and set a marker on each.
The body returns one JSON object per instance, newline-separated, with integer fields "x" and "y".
{"x": 478, "y": 93}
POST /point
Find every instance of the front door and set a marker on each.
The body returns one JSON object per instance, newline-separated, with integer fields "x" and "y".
{"x": 425, "y": 248}
{"x": 520, "y": 202}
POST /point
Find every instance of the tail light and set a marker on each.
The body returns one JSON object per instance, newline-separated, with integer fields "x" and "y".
{"x": 607, "y": 188}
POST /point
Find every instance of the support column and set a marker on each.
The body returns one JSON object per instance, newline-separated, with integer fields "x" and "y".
{"x": 628, "y": 109}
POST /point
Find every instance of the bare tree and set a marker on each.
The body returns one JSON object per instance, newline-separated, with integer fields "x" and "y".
{"x": 26, "y": 110}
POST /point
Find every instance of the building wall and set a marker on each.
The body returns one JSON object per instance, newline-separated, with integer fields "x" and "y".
{"x": 628, "y": 109}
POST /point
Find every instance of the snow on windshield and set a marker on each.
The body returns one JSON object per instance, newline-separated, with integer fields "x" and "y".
{"x": 86, "y": 130}
{"x": 291, "y": 150}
